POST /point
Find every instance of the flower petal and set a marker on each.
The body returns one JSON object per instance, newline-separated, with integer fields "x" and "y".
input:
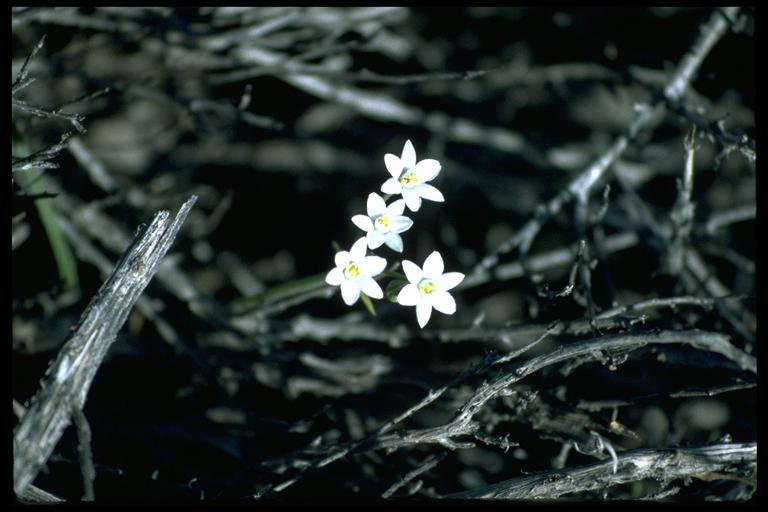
{"x": 394, "y": 242}
{"x": 409, "y": 295}
{"x": 449, "y": 280}
{"x": 375, "y": 239}
{"x": 443, "y": 302}
{"x": 429, "y": 192}
{"x": 350, "y": 292}
{"x": 376, "y": 205}
{"x": 427, "y": 169}
{"x": 423, "y": 312}
{"x": 396, "y": 208}
{"x": 391, "y": 186}
{"x": 412, "y": 199}
{"x": 357, "y": 252}
{"x": 394, "y": 165}
{"x": 363, "y": 222}
{"x": 399, "y": 224}
{"x": 372, "y": 265}
{"x": 412, "y": 271}
{"x": 334, "y": 277}
{"x": 433, "y": 265}
{"x": 408, "y": 157}
{"x": 342, "y": 258}
{"x": 371, "y": 288}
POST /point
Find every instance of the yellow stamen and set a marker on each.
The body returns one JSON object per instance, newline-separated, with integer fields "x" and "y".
{"x": 352, "y": 271}
{"x": 408, "y": 178}
{"x": 383, "y": 223}
{"x": 427, "y": 287}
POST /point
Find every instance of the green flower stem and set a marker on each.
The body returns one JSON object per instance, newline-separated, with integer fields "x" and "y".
{"x": 66, "y": 263}
{"x": 295, "y": 288}
{"x": 368, "y": 303}
{"x": 279, "y": 292}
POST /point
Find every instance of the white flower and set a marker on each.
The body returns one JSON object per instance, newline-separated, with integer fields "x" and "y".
{"x": 354, "y": 273}
{"x": 383, "y": 223}
{"x": 428, "y": 288}
{"x": 410, "y": 178}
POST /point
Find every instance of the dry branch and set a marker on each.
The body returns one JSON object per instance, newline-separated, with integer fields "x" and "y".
{"x": 719, "y": 461}
{"x": 464, "y": 422}
{"x": 66, "y": 382}
{"x": 647, "y": 117}
{"x": 597, "y": 349}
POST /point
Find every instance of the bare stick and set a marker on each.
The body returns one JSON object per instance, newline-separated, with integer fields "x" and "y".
{"x": 549, "y": 260}
{"x": 600, "y": 405}
{"x": 463, "y": 423}
{"x": 646, "y": 118}
{"x": 682, "y": 213}
{"x": 40, "y": 159}
{"x": 67, "y": 381}
{"x": 85, "y": 453}
{"x": 716, "y": 130}
{"x": 721, "y": 219}
{"x": 718, "y": 461}
{"x": 671, "y": 302}
{"x": 697, "y": 276}
{"x": 21, "y": 79}
{"x": 96, "y": 170}
{"x": 74, "y": 119}
{"x": 425, "y": 466}
{"x": 591, "y": 350}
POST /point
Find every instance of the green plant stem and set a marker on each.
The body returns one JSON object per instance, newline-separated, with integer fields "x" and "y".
{"x": 279, "y": 292}
{"x": 66, "y": 263}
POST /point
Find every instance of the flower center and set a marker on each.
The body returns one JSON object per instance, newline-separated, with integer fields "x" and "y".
{"x": 427, "y": 287}
{"x": 408, "y": 178}
{"x": 382, "y": 223}
{"x": 352, "y": 271}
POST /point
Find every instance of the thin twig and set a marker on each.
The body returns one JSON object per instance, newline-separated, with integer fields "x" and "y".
{"x": 599, "y": 405}
{"x": 93, "y": 166}
{"x": 21, "y": 78}
{"x": 683, "y": 211}
{"x": 590, "y": 350}
{"x": 716, "y": 130}
{"x": 425, "y": 466}
{"x": 85, "y": 453}
{"x": 463, "y": 423}
{"x": 548, "y": 260}
{"x": 40, "y": 159}
{"x": 74, "y": 119}
{"x": 696, "y": 276}
{"x": 719, "y": 220}
{"x": 646, "y": 118}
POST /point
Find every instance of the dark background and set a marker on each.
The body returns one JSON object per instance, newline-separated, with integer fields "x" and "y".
{"x": 276, "y": 190}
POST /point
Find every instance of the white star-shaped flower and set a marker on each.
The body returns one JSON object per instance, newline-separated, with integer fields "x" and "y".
{"x": 354, "y": 273}
{"x": 383, "y": 223}
{"x": 410, "y": 178}
{"x": 428, "y": 288}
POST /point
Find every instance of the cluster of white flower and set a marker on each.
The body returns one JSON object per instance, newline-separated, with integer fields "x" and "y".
{"x": 427, "y": 286}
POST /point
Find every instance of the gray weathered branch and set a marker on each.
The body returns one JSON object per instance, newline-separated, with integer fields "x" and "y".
{"x": 595, "y": 349}
{"x": 66, "y": 383}
{"x": 464, "y": 422}
{"x": 719, "y": 461}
